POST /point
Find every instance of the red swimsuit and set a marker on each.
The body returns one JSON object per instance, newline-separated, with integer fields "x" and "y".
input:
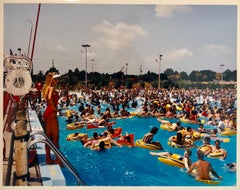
{"x": 49, "y": 110}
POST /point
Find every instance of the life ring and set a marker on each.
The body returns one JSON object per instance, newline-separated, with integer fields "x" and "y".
{"x": 75, "y": 136}
{"x": 187, "y": 145}
{"x": 149, "y": 146}
{"x": 205, "y": 149}
{"x": 196, "y": 135}
{"x": 76, "y": 125}
{"x": 18, "y": 82}
{"x": 172, "y": 160}
{"x": 217, "y": 154}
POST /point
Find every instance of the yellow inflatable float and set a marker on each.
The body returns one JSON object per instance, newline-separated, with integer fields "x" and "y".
{"x": 217, "y": 154}
{"x": 228, "y": 132}
{"x": 76, "y": 125}
{"x": 149, "y": 146}
{"x": 172, "y": 160}
{"x": 187, "y": 145}
{"x": 76, "y": 136}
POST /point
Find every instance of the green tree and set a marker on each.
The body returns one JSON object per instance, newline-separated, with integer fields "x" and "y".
{"x": 184, "y": 75}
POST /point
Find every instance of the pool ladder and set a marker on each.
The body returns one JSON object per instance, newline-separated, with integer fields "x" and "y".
{"x": 57, "y": 152}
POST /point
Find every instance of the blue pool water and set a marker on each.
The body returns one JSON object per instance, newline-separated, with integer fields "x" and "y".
{"x": 124, "y": 166}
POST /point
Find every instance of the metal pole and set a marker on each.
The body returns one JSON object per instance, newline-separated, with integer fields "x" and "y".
{"x": 86, "y": 46}
{"x": 126, "y": 75}
{"x": 160, "y": 58}
{"x": 30, "y": 37}
{"x": 35, "y": 33}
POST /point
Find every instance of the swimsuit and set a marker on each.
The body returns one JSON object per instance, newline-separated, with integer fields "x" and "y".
{"x": 49, "y": 110}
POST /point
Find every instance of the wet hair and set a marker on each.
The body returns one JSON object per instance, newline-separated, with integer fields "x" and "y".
{"x": 154, "y": 130}
{"x": 207, "y": 139}
{"x": 128, "y": 138}
{"x": 179, "y": 137}
{"x": 215, "y": 131}
{"x": 95, "y": 134}
{"x": 200, "y": 154}
{"x": 189, "y": 152}
{"x": 102, "y": 145}
{"x": 111, "y": 130}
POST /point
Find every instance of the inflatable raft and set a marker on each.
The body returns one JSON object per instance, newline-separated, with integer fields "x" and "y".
{"x": 76, "y": 125}
{"x": 149, "y": 146}
{"x": 172, "y": 160}
{"x": 217, "y": 154}
{"x": 117, "y": 132}
{"x": 127, "y": 140}
{"x": 187, "y": 145}
{"x": 75, "y": 136}
{"x": 95, "y": 125}
{"x": 228, "y": 132}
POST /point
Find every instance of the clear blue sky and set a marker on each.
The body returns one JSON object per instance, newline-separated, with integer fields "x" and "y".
{"x": 196, "y": 37}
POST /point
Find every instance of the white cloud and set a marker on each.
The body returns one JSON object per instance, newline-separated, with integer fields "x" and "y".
{"x": 117, "y": 36}
{"x": 177, "y": 55}
{"x": 216, "y": 50}
{"x": 165, "y": 11}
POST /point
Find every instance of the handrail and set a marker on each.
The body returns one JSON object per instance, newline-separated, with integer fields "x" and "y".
{"x": 57, "y": 152}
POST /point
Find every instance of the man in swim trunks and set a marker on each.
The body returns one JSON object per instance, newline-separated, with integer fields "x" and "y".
{"x": 203, "y": 168}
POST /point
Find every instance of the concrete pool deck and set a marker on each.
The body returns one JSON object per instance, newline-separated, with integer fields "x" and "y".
{"x": 50, "y": 175}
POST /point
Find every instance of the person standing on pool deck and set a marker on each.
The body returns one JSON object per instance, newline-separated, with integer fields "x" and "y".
{"x": 203, "y": 168}
{"x": 50, "y": 115}
{"x": 147, "y": 138}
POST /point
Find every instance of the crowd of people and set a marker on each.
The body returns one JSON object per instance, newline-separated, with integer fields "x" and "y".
{"x": 217, "y": 106}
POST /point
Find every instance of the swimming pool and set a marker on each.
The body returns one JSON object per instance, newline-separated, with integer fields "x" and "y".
{"x": 124, "y": 166}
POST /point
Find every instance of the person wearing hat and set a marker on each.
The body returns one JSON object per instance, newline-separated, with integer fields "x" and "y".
{"x": 51, "y": 96}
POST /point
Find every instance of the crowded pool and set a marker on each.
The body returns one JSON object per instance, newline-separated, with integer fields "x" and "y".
{"x": 126, "y": 166}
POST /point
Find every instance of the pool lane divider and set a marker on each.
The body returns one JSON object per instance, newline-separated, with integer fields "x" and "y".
{"x": 51, "y": 175}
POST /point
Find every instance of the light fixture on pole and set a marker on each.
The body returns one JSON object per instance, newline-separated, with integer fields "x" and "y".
{"x": 19, "y": 50}
{"x": 30, "y": 37}
{"x": 86, "y": 46}
{"x": 159, "y": 83}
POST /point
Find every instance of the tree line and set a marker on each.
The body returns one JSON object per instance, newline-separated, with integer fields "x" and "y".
{"x": 169, "y": 78}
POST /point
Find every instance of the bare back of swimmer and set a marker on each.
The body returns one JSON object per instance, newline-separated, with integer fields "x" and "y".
{"x": 203, "y": 168}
